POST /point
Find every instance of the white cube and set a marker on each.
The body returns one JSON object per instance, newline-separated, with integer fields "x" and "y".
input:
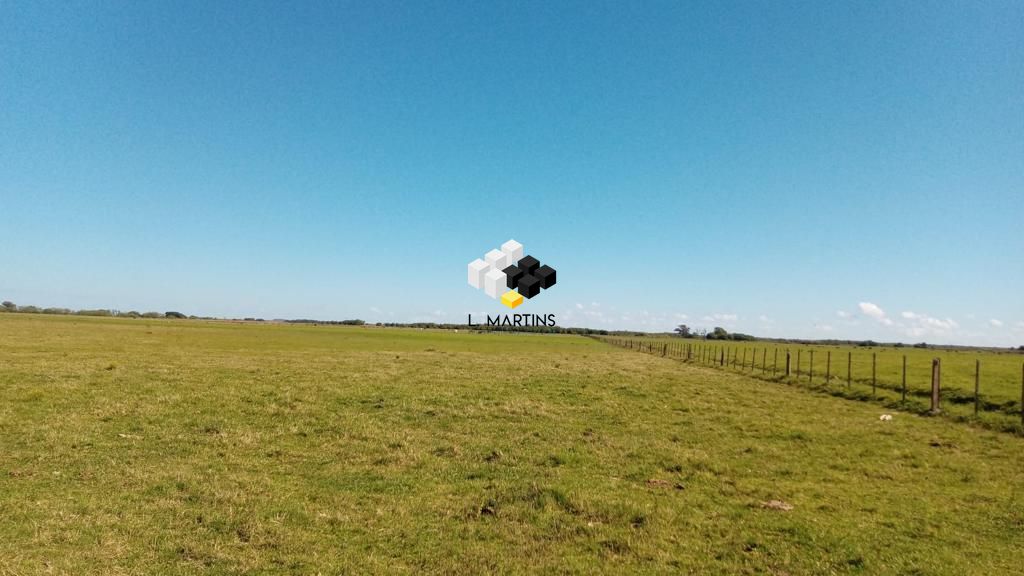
{"x": 494, "y": 283}
{"x": 513, "y": 251}
{"x": 497, "y": 259}
{"x": 477, "y": 269}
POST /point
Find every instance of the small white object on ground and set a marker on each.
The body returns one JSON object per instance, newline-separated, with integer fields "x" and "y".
{"x": 885, "y": 417}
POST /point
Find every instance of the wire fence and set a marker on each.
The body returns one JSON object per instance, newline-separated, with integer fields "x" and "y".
{"x": 914, "y": 386}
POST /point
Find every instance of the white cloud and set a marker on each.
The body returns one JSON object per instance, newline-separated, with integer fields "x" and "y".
{"x": 996, "y": 323}
{"x": 874, "y": 311}
{"x": 923, "y": 325}
{"x": 843, "y": 314}
{"x": 579, "y": 306}
{"x": 717, "y": 317}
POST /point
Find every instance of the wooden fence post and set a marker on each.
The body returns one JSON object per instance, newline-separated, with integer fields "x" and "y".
{"x": 764, "y": 361}
{"x": 977, "y": 384}
{"x": 753, "y": 359}
{"x": 744, "y": 364}
{"x": 798, "y": 362}
{"x": 904, "y": 377}
{"x": 936, "y": 383}
{"x": 787, "y": 362}
{"x": 874, "y": 363}
{"x": 721, "y": 358}
{"x": 775, "y": 364}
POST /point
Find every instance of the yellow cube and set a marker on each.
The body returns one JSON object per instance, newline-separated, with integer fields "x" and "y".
{"x": 511, "y": 298}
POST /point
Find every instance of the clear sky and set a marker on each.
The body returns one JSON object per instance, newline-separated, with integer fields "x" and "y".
{"x": 809, "y": 169}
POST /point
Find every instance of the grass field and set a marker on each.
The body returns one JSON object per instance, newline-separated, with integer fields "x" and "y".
{"x": 1000, "y": 379}
{"x": 181, "y": 447}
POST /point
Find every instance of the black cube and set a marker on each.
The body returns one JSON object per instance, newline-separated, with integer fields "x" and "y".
{"x": 546, "y": 275}
{"x": 512, "y": 276}
{"x": 529, "y": 286}
{"x": 528, "y": 264}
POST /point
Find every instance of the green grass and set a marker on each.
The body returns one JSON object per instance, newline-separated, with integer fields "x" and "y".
{"x": 179, "y": 447}
{"x": 1000, "y": 381}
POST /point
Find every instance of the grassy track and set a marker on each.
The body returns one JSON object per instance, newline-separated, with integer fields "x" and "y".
{"x": 178, "y": 447}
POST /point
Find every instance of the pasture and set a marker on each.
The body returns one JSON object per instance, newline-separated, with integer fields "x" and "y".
{"x": 188, "y": 447}
{"x": 871, "y": 373}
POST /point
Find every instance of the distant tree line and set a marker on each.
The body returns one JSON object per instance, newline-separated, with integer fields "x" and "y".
{"x": 355, "y": 322}
{"x": 682, "y": 331}
{"x": 9, "y": 307}
{"x": 718, "y": 333}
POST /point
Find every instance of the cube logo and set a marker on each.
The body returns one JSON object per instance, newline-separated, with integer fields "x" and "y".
{"x": 510, "y": 276}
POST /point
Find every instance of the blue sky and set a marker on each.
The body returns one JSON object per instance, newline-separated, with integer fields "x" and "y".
{"x": 805, "y": 169}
